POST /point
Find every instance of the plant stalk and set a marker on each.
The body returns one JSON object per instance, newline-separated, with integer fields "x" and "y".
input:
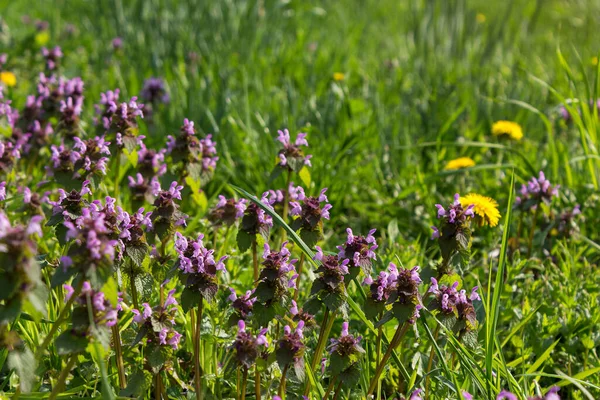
{"x": 254, "y": 261}
{"x": 119, "y": 356}
{"x": 299, "y": 271}
{"x": 197, "y": 335}
{"x": 533, "y": 225}
{"x": 393, "y": 344}
{"x": 242, "y": 395}
{"x": 58, "y": 388}
{"x": 281, "y": 390}
{"x": 257, "y": 382}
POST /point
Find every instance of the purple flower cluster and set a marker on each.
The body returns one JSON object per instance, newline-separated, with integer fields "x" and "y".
{"x": 190, "y": 150}
{"x": 535, "y": 191}
{"x": 154, "y": 91}
{"x": 255, "y": 220}
{"x": 243, "y": 304}
{"x": 103, "y": 312}
{"x": 346, "y": 344}
{"x": 384, "y": 286}
{"x": 166, "y": 214}
{"x": 406, "y": 298}
{"x": 158, "y": 323}
{"x": 277, "y": 265}
{"x": 9, "y": 154}
{"x": 151, "y": 163}
{"x": 197, "y": 265}
{"x": 453, "y": 302}
{"x": 330, "y": 278}
{"x": 69, "y": 205}
{"x": 455, "y": 216}
{"x": 247, "y": 347}
{"x": 551, "y": 395}
{"x": 566, "y": 222}
{"x": 291, "y": 156}
{"x": 310, "y": 212}
{"x": 52, "y": 57}
{"x": 359, "y": 250}
{"x": 301, "y": 315}
{"x": 120, "y": 120}
{"x": 227, "y": 211}
{"x": 94, "y": 243}
{"x": 290, "y": 348}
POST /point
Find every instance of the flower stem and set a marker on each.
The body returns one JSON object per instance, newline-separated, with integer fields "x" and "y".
{"x": 430, "y": 362}
{"x": 242, "y": 395}
{"x": 59, "y": 320}
{"x": 134, "y": 293}
{"x": 299, "y": 271}
{"x": 58, "y": 388}
{"x": 286, "y": 205}
{"x": 281, "y": 390}
{"x": 257, "y": 382}
{"x": 393, "y": 344}
{"x": 158, "y": 387}
{"x": 326, "y": 326}
{"x": 378, "y": 351}
{"x": 197, "y": 335}
{"x": 255, "y": 261}
{"x": 532, "y": 231}
{"x": 119, "y": 355}
{"x": 329, "y": 387}
{"x": 338, "y": 390}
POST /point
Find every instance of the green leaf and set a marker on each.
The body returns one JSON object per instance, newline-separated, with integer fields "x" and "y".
{"x": 158, "y": 356}
{"x": 189, "y": 299}
{"x": 137, "y": 253}
{"x": 137, "y": 384}
{"x": 23, "y": 362}
{"x": 304, "y": 175}
{"x": 244, "y": 241}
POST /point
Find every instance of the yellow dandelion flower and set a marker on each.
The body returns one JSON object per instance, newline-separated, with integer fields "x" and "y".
{"x": 485, "y": 208}
{"x": 594, "y": 61}
{"x": 507, "y": 128}
{"x": 42, "y": 38}
{"x": 8, "y": 78}
{"x": 458, "y": 163}
{"x": 338, "y": 76}
{"x": 480, "y": 18}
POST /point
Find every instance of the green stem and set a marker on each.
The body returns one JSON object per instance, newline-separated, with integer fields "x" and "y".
{"x": 286, "y": 201}
{"x": 59, "y": 320}
{"x": 242, "y": 396}
{"x": 58, "y": 388}
{"x": 255, "y": 261}
{"x": 257, "y": 382}
{"x": 393, "y": 344}
{"x": 430, "y": 363}
{"x": 299, "y": 270}
{"x": 532, "y": 231}
{"x": 338, "y": 390}
{"x": 378, "y": 351}
{"x": 119, "y": 356}
{"x": 197, "y": 335}
{"x": 134, "y": 293}
{"x": 329, "y": 387}
{"x": 328, "y": 321}
{"x": 281, "y": 390}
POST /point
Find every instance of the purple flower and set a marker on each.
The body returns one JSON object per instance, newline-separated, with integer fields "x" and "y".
{"x": 166, "y": 212}
{"x": 227, "y": 211}
{"x": 358, "y": 250}
{"x": 188, "y": 149}
{"x": 162, "y": 317}
{"x": 247, "y": 346}
{"x": 466, "y": 395}
{"x": 346, "y": 344}
{"x": 291, "y": 346}
{"x": 291, "y": 156}
{"x": 416, "y": 395}
{"x": 154, "y": 91}
{"x": 455, "y": 214}
{"x": 505, "y": 395}
{"x": 330, "y": 275}
{"x": 103, "y": 312}
{"x": 535, "y": 191}
{"x": 310, "y": 212}
{"x": 244, "y": 304}
{"x": 117, "y": 43}
{"x": 52, "y": 57}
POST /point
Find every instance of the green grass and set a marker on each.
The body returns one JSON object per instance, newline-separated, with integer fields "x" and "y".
{"x": 423, "y": 83}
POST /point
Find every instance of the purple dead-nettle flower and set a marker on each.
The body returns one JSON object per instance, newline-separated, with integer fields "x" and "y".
{"x": 157, "y": 324}
{"x": 73, "y": 88}
{"x": 359, "y": 250}
{"x": 8, "y": 155}
{"x": 70, "y": 111}
{"x": 121, "y": 122}
{"x": 536, "y": 190}
{"x": 446, "y": 297}
{"x": 131, "y": 229}
{"x": 310, "y": 212}
{"x": 466, "y": 395}
{"x": 197, "y": 265}
{"x": 290, "y": 348}
{"x": 117, "y": 43}
{"x": 104, "y": 313}
{"x": 227, "y": 211}
{"x": 301, "y": 315}
{"x": 143, "y": 189}
{"x": 18, "y": 252}
{"x": 242, "y": 305}
{"x": 106, "y": 108}
{"x": 93, "y": 244}
{"x": 151, "y": 163}
{"x": 166, "y": 214}
{"x": 551, "y": 395}
{"x": 154, "y": 91}
{"x": 93, "y": 152}
{"x": 466, "y": 310}
{"x": 384, "y": 285}
{"x": 455, "y": 214}
{"x": 346, "y": 344}
{"x": 52, "y": 57}
{"x": 506, "y": 395}
{"x": 329, "y": 283}
{"x": 2, "y": 191}
{"x": 11, "y": 114}
{"x": 247, "y": 347}
{"x": 255, "y": 220}
{"x": 296, "y": 192}
{"x": 291, "y": 156}
{"x": 405, "y": 299}
{"x": 198, "y": 156}
{"x": 34, "y": 200}
{"x": 567, "y": 225}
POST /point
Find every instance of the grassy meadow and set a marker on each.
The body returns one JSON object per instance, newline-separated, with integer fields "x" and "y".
{"x": 400, "y": 103}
